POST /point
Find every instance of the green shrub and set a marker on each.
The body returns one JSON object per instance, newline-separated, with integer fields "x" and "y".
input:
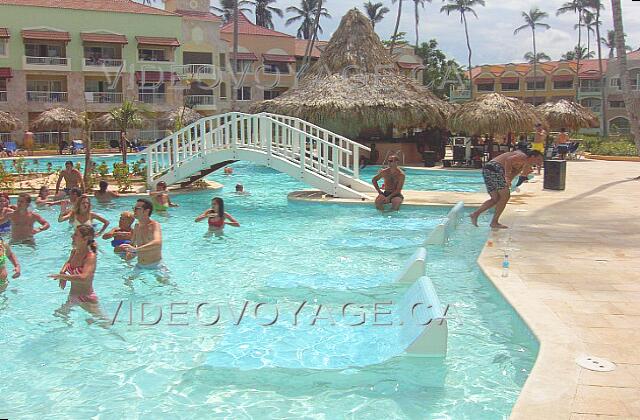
{"x": 614, "y": 148}
{"x": 122, "y": 176}
{"x": 102, "y": 169}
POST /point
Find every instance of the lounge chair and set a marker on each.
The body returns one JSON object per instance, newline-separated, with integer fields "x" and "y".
{"x": 77, "y": 146}
{"x": 573, "y": 153}
{"x": 11, "y": 147}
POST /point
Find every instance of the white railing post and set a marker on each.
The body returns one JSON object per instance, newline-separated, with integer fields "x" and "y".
{"x": 150, "y": 163}
{"x": 174, "y": 152}
{"x": 356, "y": 162}
{"x": 234, "y": 130}
{"x": 303, "y": 152}
{"x": 203, "y": 136}
{"x": 269, "y": 136}
{"x": 335, "y": 155}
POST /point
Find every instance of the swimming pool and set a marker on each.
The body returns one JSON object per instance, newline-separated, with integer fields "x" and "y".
{"x": 285, "y": 253}
{"x": 39, "y": 164}
{"x": 435, "y": 180}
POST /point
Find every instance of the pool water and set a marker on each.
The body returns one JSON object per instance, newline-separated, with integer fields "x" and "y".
{"x": 469, "y": 180}
{"x": 284, "y": 253}
{"x": 39, "y": 164}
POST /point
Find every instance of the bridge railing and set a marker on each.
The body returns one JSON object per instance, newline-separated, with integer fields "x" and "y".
{"x": 305, "y": 145}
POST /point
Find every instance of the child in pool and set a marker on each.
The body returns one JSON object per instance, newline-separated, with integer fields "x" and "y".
{"x": 7, "y": 254}
{"x": 122, "y": 234}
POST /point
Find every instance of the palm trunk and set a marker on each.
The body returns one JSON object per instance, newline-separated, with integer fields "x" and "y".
{"x": 87, "y": 159}
{"x": 631, "y": 101}
{"x": 466, "y": 32}
{"x": 603, "y": 107}
{"x": 234, "y": 88}
{"x": 579, "y": 50}
{"x": 395, "y": 31}
{"x": 417, "y": 23}
{"x": 314, "y": 35}
{"x": 535, "y": 63}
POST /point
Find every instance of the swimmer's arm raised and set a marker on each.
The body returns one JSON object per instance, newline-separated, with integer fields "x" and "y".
{"x": 232, "y": 221}
{"x": 44, "y": 225}
{"x": 203, "y": 216}
{"x": 110, "y": 234}
{"x": 105, "y": 223}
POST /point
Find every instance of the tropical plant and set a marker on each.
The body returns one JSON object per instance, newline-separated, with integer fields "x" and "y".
{"x": 439, "y": 72}
{"x": 122, "y": 176}
{"x": 539, "y": 57}
{"x": 227, "y": 6}
{"x": 589, "y": 21}
{"x": 610, "y": 43}
{"x": 577, "y": 7}
{"x": 314, "y": 34}
{"x": 578, "y": 53}
{"x": 375, "y": 12}
{"x": 532, "y": 21}
{"x": 128, "y": 116}
{"x": 395, "y": 31}
{"x": 632, "y": 102}
{"x": 305, "y": 14}
{"x": 87, "y": 130}
{"x": 399, "y": 40}
{"x": 463, "y": 7}
{"x": 264, "y": 12}
{"x": 416, "y": 12}
{"x": 597, "y": 6}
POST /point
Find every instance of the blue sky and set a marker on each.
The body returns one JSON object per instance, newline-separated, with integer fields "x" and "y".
{"x": 492, "y": 39}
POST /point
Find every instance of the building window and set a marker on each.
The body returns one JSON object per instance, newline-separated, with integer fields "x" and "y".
{"x": 271, "y": 94}
{"x": 43, "y": 50}
{"x": 3, "y": 85}
{"x": 244, "y": 65}
{"x": 148, "y": 54}
{"x": 511, "y": 86}
{"x": 538, "y": 85}
{"x": 4, "y": 47}
{"x": 276, "y": 68}
{"x": 223, "y": 90}
{"x": 44, "y": 85}
{"x": 563, "y": 85}
{"x": 222, "y": 57}
{"x": 616, "y": 104}
{"x": 615, "y": 83}
{"x": 485, "y": 87}
{"x": 244, "y": 93}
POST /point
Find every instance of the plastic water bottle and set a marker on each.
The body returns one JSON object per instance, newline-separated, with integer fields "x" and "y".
{"x": 505, "y": 266}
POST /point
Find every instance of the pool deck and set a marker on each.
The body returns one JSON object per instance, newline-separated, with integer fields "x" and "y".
{"x": 574, "y": 257}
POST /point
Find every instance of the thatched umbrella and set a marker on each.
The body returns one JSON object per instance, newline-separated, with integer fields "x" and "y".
{"x": 8, "y": 122}
{"x": 567, "y": 114}
{"x": 179, "y": 118}
{"x": 494, "y": 114}
{"x": 356, "y": 85}
{"x": 58, "y": 119}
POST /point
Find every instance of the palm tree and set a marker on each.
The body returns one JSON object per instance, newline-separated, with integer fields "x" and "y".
{"x": 632, "y": 102}
{"x": 589, "y": 21}
{"x": 227, "y": 6}
{"x": 463, "y": 7}
{"x": 596, "y": 5}
{"x": 128, "y": 116}
{"x": 314, "y": 35}
{"x": 610, "y": 43}
{"x": 264, "y": 12}
{"x": 306, "y": 13}
{"x": 417, "y": 3}
{"x": 533, "y": 20}
{"x": 395, "y": 31}
{"x": 578, "y": 7}
{"x": 375, "y": 12}
{"x": 87, "y": 128}
{"x": 539, "y": 57}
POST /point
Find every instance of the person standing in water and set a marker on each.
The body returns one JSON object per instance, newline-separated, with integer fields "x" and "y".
{"x": 146, "y": 240}
{"x": 72, "y": 178}
{"x": 393, "y": 182}
{"x": 82, "y": 215}
{"x": 122, "y": 234}
{"x": 103, "y": 195}
{"x": 217, "y": 217}
{"x": 22, "y": 221}
{"x": 160, "y": 198}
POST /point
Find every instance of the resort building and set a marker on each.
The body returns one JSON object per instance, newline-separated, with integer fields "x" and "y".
{"x": 555, "y": 80}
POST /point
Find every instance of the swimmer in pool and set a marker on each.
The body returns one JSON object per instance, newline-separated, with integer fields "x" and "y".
{"x": 122, "y": 234}
{"x": 82, "y": 215}
{"x": 44, "y": 197}
{"x": 160, "y": 198}
{"x": 103, "y": 195}
{"x": 217, "y": 217}
{"x": 22, "y": 221}
{"x": 7, "y": 255}
{"x": 146, "y": 240}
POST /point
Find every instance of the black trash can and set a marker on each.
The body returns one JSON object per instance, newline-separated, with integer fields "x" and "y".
{"x": 555, "y": 173}
{"x": 429, "y": 158}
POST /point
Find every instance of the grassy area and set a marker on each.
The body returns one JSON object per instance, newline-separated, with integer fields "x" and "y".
{"x": 608, "y": 146}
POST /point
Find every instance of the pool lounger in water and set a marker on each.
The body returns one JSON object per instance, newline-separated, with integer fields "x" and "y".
{"x": 414, "y": 268}
{"x": 443, "y": 231}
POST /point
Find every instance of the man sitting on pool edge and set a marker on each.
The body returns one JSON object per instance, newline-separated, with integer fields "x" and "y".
{"x": 393, "y": 182}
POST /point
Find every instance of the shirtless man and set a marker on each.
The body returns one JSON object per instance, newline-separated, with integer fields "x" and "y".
{"x": 22, "y": 221}
{"x": 146, "y": 240}
{"x": 103, "y": 195}
{"x": 160, "y": 198}
{"x": 393, "y": 183}
{"x": 72, "y": 178}
{"x": 498, "y": 174}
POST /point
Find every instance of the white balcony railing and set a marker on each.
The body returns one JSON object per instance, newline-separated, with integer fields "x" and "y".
{"x": 590, "y": 89}
{"x": 3, "y": 96}
{"x": 102, "y": 62}
{"x": 200, "y": 100}
{"x": 103, "y": 97}
{"x": 152, "y": 98}
{"x": 49, "y": 137}
{"x": 105, "y": 136}
{"x": 43, "y": 96}
{"x": 196, "y": 70}
{"x": 47, "y": 61}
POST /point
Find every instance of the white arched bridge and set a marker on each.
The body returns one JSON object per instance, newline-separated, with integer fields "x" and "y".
{"x": 317, "y": 157}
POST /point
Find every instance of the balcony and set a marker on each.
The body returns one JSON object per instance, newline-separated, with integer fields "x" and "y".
{"x": 457, "y": 93}
{"x": 152, "y": 98}
{"x": 44, "y": 96}
{"x": 590, "y": 89}
{"x": 103, "y": 97}
{"x": 46, "y": 63}
{"x": 102, "y": 64}
{"x": 197, "y": 71}
{"x": 203, "y": 102}
{"x": 3, "y": 96}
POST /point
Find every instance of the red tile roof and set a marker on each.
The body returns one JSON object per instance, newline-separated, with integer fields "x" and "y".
{"x": 105, "y": 38}
{"x": 408, "y": 66}
{"x": 46, "y": 35}
{"x": 301, "y": 47}
{"x": 120, "y": 6}
{"x": 244, "y": 56}
{"x": 246, "y": 27}
{"x": 277, "y": 58}
{"x": 587, "y": 67}
{"x": 158, "y": 40}
{"x": 5, "y": 73}
{"x": 196, "y": 15}
{"x": 4, "y": 33}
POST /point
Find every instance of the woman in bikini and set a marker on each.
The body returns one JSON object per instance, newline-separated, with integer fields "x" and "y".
{"x": 79, "y": 270}
{"x": 5, "y": 207}
{"x": 82, "y": 215}
{"x": 217, "y": 217}
{"x": 7, "y": 255}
